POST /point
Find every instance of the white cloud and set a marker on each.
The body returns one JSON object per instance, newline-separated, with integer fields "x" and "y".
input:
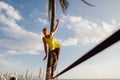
{"x": 19, "y": 41}
{"x": 99, "y": 66}
{"x": 69, "y": 42}
{"x": 86, "y": 31}
{"x": 12, "y": 66}
{"x": 38, "y": 17}
{"x": 22, "y": 6}
{"x": 35, "y": 13}
{"x": 9, "y": 63}
{"x": 10, "y": 11}
{"x": 43, "y": 21}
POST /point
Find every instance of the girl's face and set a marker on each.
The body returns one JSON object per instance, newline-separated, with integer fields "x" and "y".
{"x": 45, "y": 32}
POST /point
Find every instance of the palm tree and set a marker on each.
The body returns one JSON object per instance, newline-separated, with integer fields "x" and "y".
{"x": 40, "y": 74}
{"x": 51, "y": 5}
{"x": 26, "y": 75}
{"x": 31, "y": 76}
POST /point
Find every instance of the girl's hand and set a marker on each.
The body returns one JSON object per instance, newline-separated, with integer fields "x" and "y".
{"x": 57, "y": 20}
{"x": 45, "y": 57}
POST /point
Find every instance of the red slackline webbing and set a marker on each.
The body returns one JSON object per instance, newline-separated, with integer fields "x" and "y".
{"x": 103, "y": 45}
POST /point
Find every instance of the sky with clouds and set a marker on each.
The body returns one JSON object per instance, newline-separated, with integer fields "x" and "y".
{"x": 81, "y": 29}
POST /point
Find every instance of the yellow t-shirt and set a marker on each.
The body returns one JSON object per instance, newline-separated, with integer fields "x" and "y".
{"x": 52, "y": 43}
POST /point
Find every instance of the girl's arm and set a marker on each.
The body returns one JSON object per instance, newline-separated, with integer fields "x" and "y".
{"x": 56, "y": 27}
{"x": 45, "y": 48}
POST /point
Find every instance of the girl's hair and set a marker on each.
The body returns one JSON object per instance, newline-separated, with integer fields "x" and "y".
{"x": 44, "y": 29}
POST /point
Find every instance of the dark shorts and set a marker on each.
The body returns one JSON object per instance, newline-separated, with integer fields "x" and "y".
{"x": 55, "y": 53}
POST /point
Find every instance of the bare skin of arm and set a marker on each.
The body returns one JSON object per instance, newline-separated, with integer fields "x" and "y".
{"x": 45, "y": 48}
{"x": 56, "y": 27}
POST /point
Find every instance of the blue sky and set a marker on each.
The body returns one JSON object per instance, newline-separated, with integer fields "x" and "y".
{"x": 21, "y": 48}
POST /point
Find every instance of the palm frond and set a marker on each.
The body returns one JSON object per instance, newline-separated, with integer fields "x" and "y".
{"x": 64, "y": 5}
{"x": 87, "y": 3}
{"x": 49, "y": 8}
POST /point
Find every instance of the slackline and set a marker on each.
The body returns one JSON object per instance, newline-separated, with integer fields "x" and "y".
{"x": 103, "y": 45}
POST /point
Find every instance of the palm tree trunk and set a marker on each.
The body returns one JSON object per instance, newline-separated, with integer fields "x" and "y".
{"x": 53, "y": 15}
